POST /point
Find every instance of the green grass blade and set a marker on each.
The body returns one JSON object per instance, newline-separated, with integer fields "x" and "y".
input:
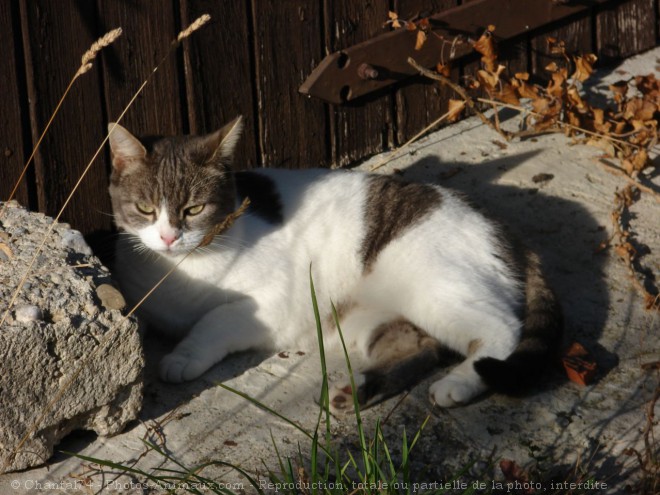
{"x": 358, "y": 419}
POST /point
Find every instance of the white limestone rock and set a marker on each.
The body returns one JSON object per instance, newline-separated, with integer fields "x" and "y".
{"x": 63, "y": 354}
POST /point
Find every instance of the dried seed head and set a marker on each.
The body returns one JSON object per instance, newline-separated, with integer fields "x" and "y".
{"x": 199, "y": 22}
{"x": 96, "y": 47}
{"x": 225, "y": 224}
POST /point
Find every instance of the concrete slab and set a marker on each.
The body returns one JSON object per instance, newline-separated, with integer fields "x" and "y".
{"x": 560, "y": 429}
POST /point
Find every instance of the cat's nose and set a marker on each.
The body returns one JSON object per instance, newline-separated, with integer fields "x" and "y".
{"x": 169, "y": 238}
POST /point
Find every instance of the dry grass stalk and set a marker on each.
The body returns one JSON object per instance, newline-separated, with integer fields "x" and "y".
{"x": 87, "y": 59}
{"x": 63, "y": 388}
{"x": 217, "y": 230}
{"x": 89, "y": 56}
{"x": 225, "y": 224}
{"x": 80, "y": 179}
{"x": 197, "y": 23}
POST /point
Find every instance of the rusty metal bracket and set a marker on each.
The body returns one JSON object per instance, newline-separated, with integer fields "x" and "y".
{"x": 381, "y": 61}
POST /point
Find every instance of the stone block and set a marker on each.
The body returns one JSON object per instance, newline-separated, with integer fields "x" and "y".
{"x": 69, "y": 360}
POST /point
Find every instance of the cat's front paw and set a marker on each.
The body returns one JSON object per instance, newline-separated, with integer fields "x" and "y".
{"x": 455, "y": 390}
{"x": 178, "y": 367}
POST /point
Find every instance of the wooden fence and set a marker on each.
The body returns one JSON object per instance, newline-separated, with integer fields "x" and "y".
{"x": 250, "y": 60}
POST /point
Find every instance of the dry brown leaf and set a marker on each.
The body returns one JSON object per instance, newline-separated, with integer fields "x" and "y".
{"x": 625, "y": 251}
{"x": 619, "y": 90}
{"x": 639, "y": 109}
{"x": 640, "y": 160}
{"x": 421, "y": 39}
{"x": 584, "y": 66}
{"x": 549, "y": 110}
{"x": 556, "y": 46}
{"x": 507, "y": 93}
{"x": 486, "y": 46}
{"x": 580, "y": 367}
{"x": 552, "y": 67}
{"x": 599, "y": 124}
{"x": 394, "y": 17}
{"x": 525, "y": 90}
{"x": 576, "y": 100}
{"x": 454, "y": 109}
{"x": 443, "y": 69}
{"x": 574, "y": 120}
{"x": 557, "y": 83}
{"x": 648, "y": 85}
{"x": 489, "y": 79}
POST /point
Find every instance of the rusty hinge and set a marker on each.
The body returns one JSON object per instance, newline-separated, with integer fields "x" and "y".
{"x": 379, "y": 62}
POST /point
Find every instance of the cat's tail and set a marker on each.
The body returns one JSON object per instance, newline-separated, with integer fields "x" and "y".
{"x": 540, "y": 340}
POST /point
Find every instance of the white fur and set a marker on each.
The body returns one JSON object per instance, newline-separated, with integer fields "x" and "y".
{"x": 154, "y": 236}
{"x": 250, "y": 288}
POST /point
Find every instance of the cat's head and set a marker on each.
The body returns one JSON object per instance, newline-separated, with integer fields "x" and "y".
{"x": 172, "y": 192}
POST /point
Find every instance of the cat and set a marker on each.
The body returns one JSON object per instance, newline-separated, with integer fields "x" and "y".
{"x": 396, "y": 258}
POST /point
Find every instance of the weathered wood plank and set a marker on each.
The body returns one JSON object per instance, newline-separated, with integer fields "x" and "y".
{"x": 625, "y": 29}
{"x": 288, "y": 45}
{"x": 149, "y": 27}
{"x": 420, "y": 101}
{"x": 219, "y": 73}
{"x": 11, "y": 119}
{"x": 357, "y": 130}
{"x": 55, "y": 35}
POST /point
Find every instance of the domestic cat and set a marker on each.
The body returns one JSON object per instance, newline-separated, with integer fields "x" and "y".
{"x": 398, "y": 259}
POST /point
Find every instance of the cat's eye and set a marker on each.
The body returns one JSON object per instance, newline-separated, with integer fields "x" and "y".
{"x": 194, "y": 210}
{"x": 145, "y": 209}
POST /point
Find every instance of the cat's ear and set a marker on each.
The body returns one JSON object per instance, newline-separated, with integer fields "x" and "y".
{"x": 126, "y": 148}
{"x": 222, "y": 143}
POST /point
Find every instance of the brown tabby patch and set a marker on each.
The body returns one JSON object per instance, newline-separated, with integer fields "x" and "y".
{"x": 391, "y": 208}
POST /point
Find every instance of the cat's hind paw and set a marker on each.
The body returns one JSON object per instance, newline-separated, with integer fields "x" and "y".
{"x": 341, "y": 395}
{"x": 455, "y": 390}
{"x": 177, "y": 368}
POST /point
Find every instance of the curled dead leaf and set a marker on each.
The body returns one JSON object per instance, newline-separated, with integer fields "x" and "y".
{"x": 639, "y": 109}
{"x": 525, "y": 90}
{"x": 394, "y": 19}
{"x": 486, "y": 46}
{"x": 619, "y": 90}
{"x": 584, "y": 66}
{"x": 557, "y": 83}
{"x": 552, "y": 67}
{"x": 454, "y": 110}
{"x": 443, "y": 69}
{"x": 640, "y": 160}
{"x": 420, "y": 40}
{"x": 625, "y": 251}
{"x": 579, "y": 365}
{"x": 556, "y": 46}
